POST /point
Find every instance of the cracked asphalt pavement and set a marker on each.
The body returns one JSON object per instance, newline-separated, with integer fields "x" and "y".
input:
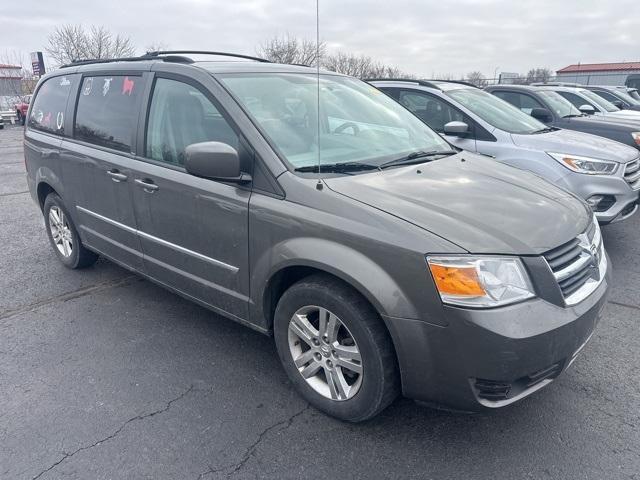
{"x": 104, "y": 375}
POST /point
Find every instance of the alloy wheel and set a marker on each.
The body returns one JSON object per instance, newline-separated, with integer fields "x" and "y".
{"x": 60, "y": 231}
{"x": 325, "y": 353}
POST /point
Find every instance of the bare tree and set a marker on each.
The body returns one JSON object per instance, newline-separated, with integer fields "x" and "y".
{"x": 361, "y": 66}
{"x": 73, "y": 42}
{"x": 291, "y": 50}
{"x": 539, "y": 75}
{"x": 17, "y": 82}
{"x": 478, "y": 79}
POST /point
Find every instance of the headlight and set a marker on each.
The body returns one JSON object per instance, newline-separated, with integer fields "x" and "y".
{"x": 480, "y": 282}
{"x": 636, "y": 137}
{"x": 590, "y": 166}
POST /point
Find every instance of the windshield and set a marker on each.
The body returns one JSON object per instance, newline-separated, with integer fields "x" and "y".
{"x": 560, "y": 105}
{"x": 628, "y": 96}
{"x": 358, "y": 123}
{"x": 496, "y": 112}
{"x": 599, "y": 101}
{"x": 635, "y": 94}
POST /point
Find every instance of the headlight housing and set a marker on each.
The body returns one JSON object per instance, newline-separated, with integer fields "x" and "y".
{"x": 479, "y": 281}
{"x": 636, "y": 137}
{"x": 587, "y": 165}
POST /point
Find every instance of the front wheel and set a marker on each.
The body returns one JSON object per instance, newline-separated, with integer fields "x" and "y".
{"x": 63, "y": 235}
{"x": 335, "y": 349}
{"x": 19, "y": 118}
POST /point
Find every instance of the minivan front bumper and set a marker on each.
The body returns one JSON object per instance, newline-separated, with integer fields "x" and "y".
{"x": 491, "y": 358}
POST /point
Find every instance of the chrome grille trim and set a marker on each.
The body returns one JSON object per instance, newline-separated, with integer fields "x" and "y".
{"x": 632, "y": 174}
{"x": 579, "y": 266}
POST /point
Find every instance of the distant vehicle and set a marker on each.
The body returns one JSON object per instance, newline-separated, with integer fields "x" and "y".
{"x": 554, "y": 110}
{"x": 589, "y": 102}
{"x": 603, "y": 172}
{"x": 22, "y": 107}
{"x": 619, "y": 96}
{"x": 1, "y": 122}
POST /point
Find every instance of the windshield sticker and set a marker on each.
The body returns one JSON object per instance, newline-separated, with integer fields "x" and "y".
{"x": 127, "y": 86}
{"x": 88, "y": 83}
{"x": 47, "y": 120}
{"x": 106, "y": 86}
{"x": 65, "y": 82}
{"x": 60, "y": 120}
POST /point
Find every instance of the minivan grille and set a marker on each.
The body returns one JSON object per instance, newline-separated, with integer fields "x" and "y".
{"x": 632, "y": 174}
{"x": 578, "y": 265}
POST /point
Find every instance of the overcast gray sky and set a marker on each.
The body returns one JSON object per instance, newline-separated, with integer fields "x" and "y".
{"x": 423, "y": 37}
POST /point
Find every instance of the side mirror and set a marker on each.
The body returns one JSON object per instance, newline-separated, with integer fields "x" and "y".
{"x": 619, "y": 104}
{"x": 541, "y": 114}
{"x": 587, "y": 109}
{"x": 456, "y": 129}
{"x": 214, "y": 160}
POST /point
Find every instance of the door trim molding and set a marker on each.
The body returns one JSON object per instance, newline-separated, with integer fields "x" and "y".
{"x": 159, "y": 241}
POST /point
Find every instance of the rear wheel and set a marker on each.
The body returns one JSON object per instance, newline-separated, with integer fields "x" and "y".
{"x": 335, "y": 349}
{"x": 63, "y": 235}
{"x": 19, "y": 118}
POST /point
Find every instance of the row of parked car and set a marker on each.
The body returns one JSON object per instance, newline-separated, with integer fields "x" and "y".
{"x": 386, "y": 249}
{"x": 546, "y": 133}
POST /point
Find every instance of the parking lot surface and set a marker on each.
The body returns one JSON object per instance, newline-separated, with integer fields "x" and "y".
{"x": 104, "y": 375}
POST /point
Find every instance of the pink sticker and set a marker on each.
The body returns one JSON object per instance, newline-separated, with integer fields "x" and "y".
{"x": 47, "y": 119}
{"x": 127, "y": 86}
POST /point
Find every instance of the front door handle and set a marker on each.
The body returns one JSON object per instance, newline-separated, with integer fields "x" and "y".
{"x": 147, "y": 185}
{"x": 116, "y": 175}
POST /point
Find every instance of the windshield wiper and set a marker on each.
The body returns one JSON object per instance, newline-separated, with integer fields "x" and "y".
{"x": 571, "y": 115}
{"x": 417, "y": 157}
{"x": 545, "y": 130}
{"x": 337, "y": 167}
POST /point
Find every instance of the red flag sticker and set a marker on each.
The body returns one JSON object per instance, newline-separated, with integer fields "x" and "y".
{"x": 127, "y": 86}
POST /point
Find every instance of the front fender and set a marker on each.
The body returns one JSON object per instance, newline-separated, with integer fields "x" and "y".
{"x": 356, "y": 269}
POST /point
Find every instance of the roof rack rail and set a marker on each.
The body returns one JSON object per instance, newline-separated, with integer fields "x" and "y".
{"x": 556, "y": 84}
{"x": 424, "y": 83}
{"x": 141, "y": 58}
{"x": 164, "y": 55}
{"x": 461, "y": 82}
{"x": 206, "y": 52}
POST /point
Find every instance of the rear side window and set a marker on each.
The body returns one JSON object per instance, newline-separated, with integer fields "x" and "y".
{"x": 50, "y": 104}
{"x": 182, "y": 115}
{"x": 107, "y": 110}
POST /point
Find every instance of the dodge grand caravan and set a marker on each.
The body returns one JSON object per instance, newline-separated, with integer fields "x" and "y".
{"x": 381, "y": 258}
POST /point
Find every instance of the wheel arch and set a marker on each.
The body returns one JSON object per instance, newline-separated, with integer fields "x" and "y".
{"x": 323, "y": 256}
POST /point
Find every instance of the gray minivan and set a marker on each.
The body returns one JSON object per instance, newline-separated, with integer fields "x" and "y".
{"x": 601, "y": 171}
{"x": 381, "y": 258}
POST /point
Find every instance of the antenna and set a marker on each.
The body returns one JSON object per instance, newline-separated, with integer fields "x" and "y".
{"x": 319, "y": 184}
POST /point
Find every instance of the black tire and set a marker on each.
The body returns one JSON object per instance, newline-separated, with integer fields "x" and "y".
{"x": 19, "y": 117}
{"x": 380, "y": 383}
{"x": 79, "y": 257}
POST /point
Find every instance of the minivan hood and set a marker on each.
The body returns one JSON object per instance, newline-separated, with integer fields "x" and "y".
{"x": 479, "y": 204}
{"x": 577, "y": 143}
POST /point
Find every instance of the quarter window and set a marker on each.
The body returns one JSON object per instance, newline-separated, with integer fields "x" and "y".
{"x": 182, "y": 115}
{"x": 107, "y": 111}
{"x": 50, "y": 104}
